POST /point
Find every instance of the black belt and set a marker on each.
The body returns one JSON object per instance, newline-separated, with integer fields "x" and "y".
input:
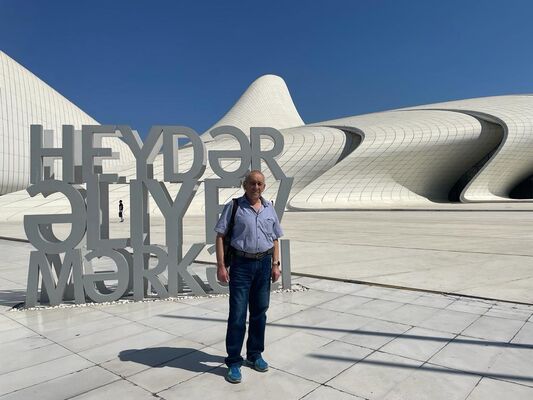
{"x": 255, "y": 256}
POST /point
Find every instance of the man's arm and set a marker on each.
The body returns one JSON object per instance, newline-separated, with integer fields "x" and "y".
{"x": 276, "y": 272}
{"x": 222, "y": 272}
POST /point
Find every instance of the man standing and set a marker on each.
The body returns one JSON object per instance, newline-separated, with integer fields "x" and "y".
{"x": 120, "y": 210}
{"x": 255, "y": 262}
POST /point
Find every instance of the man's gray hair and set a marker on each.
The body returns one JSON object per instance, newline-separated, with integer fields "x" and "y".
{"x": 247, "y": 175}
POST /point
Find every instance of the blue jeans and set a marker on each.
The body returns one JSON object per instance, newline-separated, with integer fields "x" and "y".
{"x": 249, "y": 287}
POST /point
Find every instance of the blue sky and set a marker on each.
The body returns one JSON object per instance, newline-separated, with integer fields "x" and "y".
{"x": 143, "y": 63}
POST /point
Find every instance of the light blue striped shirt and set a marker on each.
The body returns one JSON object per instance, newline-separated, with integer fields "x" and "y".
{"x": 253, "y": 232}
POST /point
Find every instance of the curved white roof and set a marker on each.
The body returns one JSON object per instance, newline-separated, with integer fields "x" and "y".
{"x": 266, "y": 102}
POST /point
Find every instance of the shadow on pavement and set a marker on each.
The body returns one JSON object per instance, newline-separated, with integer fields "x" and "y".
{"x": 190, "y": 359}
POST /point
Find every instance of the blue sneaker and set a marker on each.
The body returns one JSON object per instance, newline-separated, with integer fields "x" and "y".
{"x": 259, "y": 364}
{"x": 234, "y": 374}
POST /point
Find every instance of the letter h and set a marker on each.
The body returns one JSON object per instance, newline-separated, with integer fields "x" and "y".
{"x": 43, "y": 154}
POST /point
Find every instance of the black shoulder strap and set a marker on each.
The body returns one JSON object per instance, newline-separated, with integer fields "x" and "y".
{"x": 232, "y": 220}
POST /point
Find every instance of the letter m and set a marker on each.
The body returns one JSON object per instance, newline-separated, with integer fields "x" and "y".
{"x": 54, "y": 280}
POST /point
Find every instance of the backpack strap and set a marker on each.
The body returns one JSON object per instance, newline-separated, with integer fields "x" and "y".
{"x": 229, "y": 231}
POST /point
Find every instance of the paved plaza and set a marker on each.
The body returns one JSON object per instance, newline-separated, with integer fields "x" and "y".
{"x": 480, "y": 250}
{"x": 327, "y": 339}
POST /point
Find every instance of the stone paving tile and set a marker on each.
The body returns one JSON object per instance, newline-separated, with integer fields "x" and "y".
{"x": 326, "y": 392}
{"x": 36, "y": 317}
{"x": 284, "y": 352}
{"x": 195, "y": 300}
{"x": 336, "y": 286}
{"x": 103, "y": 336}
{"x": 490, "y": 389}
{"x": 402, "y": 296}
{"x": 274, "y": 384}
{"x": 434, "y": 383}
{"x": 218, "y": 304}
{"x": 418, "y": 343}
{"x": 469, "y": 307}
{"x": 469, "y": 354}
{"x": 310, "y": 297}
{"x": 326, "y": 362}
{"x": 174, "y": 317}
{"x": 122, "y": 308}
{"x": 14, "y": 359}
{"x": 117, "y": 390}
{"x": 514, "y": 365}
{"x": 282, "y": 310}
{"x": 10, "y": 335}
{"x": 338, "y": 326}
{"x": 377, "y": 292}
{"x": 514, "y": 306}
{"x": 110, "y": 350}
{"x": 70, "y": 321}
{"x": 347, "y": 303}
{"x": 153, "y": 309}
{"x": 221, "y": 346}
{"x": 433, "y": 300}
{"x": 409, "y": 314}
{"x": 193, "y": 323}
{"x": 501, "y": 312}
{"x": 492, "y": 328}
{"x": 375, "y": 334}
{"x": 85, "y": 329}
{"x": 305, "y": 280}
{"x": 449, "y": 321}
{"x": 7, "y": 323}
{"x": 25, "y": 344}
{"x": 525, "y": 335}
{"x": 375, "y": 308}
{"x": 210, "y": 335}
{"x": 306, "y": 319}
{"x": 43, "y": 372}
{"x": 375, "y": 376}
{"x": 66, "y": 386}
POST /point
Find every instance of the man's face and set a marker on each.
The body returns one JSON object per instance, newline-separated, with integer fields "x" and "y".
{"x": 254, "y": 186}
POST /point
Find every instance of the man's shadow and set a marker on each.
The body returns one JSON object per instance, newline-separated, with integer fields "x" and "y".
{"x": 176, "y": 357}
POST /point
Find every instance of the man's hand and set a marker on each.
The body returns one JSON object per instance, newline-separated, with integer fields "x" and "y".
{"x": 276, "y": 273}
{"x": 222, "y": 274}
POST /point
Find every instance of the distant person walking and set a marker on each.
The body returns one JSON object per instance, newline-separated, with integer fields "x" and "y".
{"x": 121, "y": 211}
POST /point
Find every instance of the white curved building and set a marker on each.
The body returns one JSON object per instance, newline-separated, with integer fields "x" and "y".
{"x": 477, "y": 150}
{"x": 511, "y": 162}
{"x": 26, "y": 100}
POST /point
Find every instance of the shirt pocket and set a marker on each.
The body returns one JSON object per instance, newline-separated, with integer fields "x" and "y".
{"x": 267, "y": 226}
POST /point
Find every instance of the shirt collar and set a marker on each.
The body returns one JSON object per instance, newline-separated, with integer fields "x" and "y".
{"x": 265, "y": 203}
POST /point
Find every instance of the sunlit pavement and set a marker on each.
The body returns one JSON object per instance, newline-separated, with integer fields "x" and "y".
{"x": 336, "y": 340}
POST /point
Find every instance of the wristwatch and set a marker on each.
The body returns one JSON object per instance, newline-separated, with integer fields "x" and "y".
{"x": 276, "y": 263}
